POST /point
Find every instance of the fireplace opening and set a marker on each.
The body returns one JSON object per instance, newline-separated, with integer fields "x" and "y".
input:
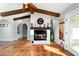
{"x": 40, "y": 35}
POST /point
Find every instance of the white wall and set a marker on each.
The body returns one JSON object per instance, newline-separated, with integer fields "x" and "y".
{"x": 5, "y": 32}
{"x": 14, "y": 24}
{"x": 13, "y": 30}
{"x": 35, "y": 16}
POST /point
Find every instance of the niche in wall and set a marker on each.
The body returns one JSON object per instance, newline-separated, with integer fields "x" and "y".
{"x": 61, "y": 29}
{"x": 22, "y": 29}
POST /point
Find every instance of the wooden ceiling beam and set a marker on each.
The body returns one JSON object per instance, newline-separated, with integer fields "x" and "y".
{"x": 23, "y": 17}
{"x": 8, "y": 13}
{"x": 48, "y": 12}
{"x": 62, "y": 23}
{"x": 32, "y": 7}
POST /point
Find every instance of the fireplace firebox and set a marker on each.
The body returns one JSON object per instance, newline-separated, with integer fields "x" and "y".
{"x": 40, "y": 34}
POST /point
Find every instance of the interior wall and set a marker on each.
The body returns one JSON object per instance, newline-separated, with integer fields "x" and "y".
{"x": 35, "y": 16}
{"x": 13, "y": 28}
{"x": 5, "y": 31}
{"x": 13, "y": 33}
{"x": 8, "y": 34}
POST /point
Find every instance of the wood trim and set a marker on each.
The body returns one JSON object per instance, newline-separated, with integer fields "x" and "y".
{"x": 18, "y": 18}
{"x": 61, "y": 22}
{"x": 48, "y": 12}
{"x": 32, "y": 7}
{"x": 8, "y": 13}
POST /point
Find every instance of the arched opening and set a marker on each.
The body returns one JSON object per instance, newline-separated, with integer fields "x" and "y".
{"x": 22, "y": 30}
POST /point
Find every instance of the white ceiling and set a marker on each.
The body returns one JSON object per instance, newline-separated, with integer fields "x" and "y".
{"x": 55, "y": 7}
{"x": 10, "y": 6}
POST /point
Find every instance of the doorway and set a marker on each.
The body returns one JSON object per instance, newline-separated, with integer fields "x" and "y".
{"x": 75, "y": 32}
{"x": 24, "y": 31}
{"x": 72, "y": 31}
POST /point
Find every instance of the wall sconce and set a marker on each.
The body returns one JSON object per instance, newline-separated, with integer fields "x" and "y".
{"x": 3, "y": 25}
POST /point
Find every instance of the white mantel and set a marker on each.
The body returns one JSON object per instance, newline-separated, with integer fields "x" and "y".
{"x": 47, "y": 41}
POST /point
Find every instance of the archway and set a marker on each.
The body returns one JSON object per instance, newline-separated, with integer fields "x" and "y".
{"x": 22, "y": 30}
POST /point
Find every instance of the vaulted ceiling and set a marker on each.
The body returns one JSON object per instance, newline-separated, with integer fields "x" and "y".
{"x": 55, "y": 7}
{"x": 52, "y": 9}
{"x": 30, "y": 8}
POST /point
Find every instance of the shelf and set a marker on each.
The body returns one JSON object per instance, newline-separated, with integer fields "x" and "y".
{"x": 46, "y": 28}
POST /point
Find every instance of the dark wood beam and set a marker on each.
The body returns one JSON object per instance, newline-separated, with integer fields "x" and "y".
{"x": 23, "y": 17}
{"x": 62, "y": 23}
{"x": 47, "y": 12}
{"x": 8, "y": 13}
{"x": 32, "y": 7}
